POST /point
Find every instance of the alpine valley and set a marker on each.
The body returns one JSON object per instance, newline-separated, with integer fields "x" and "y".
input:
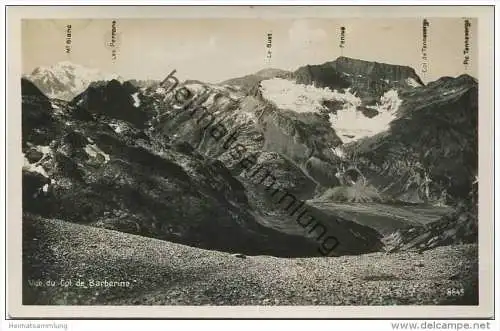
{"x": 119, "y": 184}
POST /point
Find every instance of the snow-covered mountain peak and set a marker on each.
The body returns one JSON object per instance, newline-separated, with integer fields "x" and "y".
{"x": 64, "y": 80}
{"x": 348, "y": 119}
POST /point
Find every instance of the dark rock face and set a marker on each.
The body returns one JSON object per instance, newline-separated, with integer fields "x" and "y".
{"x": 320, "y": 75}
{"x": 374, "y": 70}
{"x": 332, "y": 106}
{"x": 36, "y": 116}
{"x": 434, "y": 137}
{"x": 368, "y": 112}
{"x": 459, "y": 227}
{"x": 112, "y": 99}
{"x": 368, "y": 79}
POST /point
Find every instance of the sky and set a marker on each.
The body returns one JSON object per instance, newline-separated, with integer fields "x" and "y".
{"x": 213, "y": 50}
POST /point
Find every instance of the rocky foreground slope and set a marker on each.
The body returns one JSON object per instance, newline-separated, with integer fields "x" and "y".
{"x": 164, "y": 273}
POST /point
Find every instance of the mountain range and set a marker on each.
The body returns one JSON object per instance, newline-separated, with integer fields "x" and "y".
{"x": 381, "y": 160}
{"x": 65, "y": 80}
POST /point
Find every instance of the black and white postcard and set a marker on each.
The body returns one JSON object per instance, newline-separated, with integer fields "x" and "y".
{"x": 250, "y": 161}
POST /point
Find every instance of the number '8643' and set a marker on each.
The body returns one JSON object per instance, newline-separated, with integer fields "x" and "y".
{"x": 455, "y": 291}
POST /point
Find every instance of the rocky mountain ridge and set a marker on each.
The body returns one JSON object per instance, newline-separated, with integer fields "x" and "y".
{"x": 369, "y": 80}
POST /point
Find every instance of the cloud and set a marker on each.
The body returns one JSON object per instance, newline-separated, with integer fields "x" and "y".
{"x": 302, "y": 35}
